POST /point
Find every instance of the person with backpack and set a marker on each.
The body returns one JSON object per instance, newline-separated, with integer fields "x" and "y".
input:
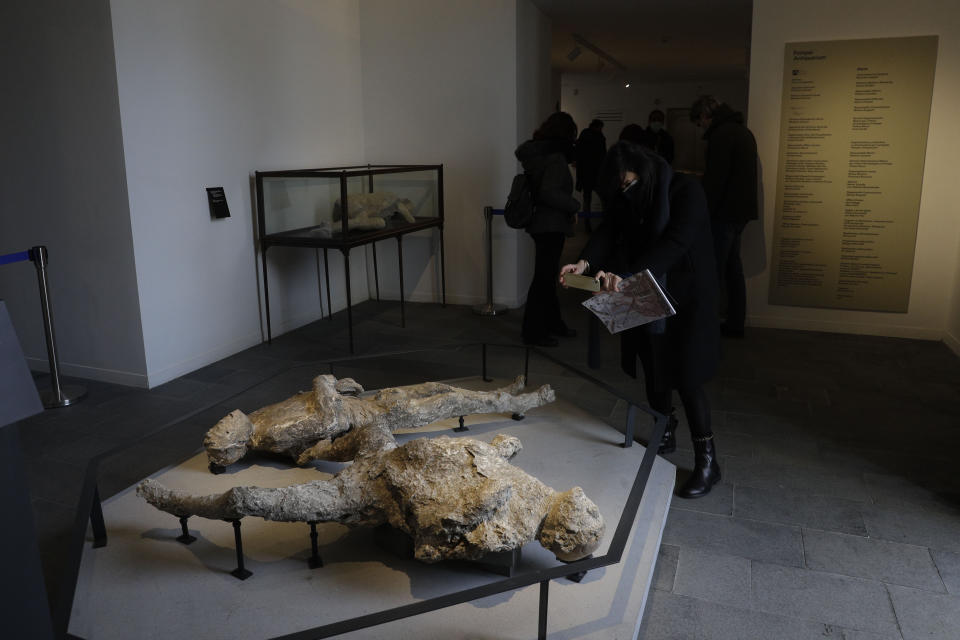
{"x": 545, "y": 160}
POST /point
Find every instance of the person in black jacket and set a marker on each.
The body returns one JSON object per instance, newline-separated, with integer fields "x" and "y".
{"x": 730, "y": 182}
{"x": 657, "y": 219}
{"x": 545, "y": 159}
{"x": 656, "y": 137}
{"x": 591, "y": 148}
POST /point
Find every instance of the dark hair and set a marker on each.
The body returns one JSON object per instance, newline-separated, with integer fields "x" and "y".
{"x": 559, "y": 126}
{"x": 632, "y": 132}
{"x": 596, "y": 123}
{"x": 704, "y": 105}
{"x": 627, "y": 156}
{"x": 656, "y": 114}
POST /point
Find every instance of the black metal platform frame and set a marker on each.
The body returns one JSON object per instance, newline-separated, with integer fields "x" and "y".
{"x": 348, "y": 239}
{"x": 89, "y": 509}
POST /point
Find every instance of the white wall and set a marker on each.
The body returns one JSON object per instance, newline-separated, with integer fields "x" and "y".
{"x": 62, "y": 184}
{"x": 934, "y": 290}
{"x": 439, "y": 87}
{"x": 513, "y": 269}
{"x": 211, "y": 91}
{"x": 584, "y": 95}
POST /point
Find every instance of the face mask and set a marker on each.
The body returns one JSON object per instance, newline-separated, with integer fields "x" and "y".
{"x": 656, "y": 126}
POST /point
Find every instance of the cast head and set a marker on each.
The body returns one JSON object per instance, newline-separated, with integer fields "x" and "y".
{"x": 573, "y": 526}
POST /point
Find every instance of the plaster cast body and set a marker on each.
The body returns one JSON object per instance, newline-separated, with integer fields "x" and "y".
{"x": 311, "y": 424}
{"x": 370, "y": 210}
{"x": 457, "y": 498}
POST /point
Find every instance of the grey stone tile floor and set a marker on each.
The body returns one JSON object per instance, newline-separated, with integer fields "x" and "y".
{"x": 838, "y": 515}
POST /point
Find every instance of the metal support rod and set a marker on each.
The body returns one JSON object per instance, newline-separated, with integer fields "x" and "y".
{"x": 443, "y": 273}
{"x": 315, "y": 560}
{"x": 403, "y": 316}
{"x": 376, "y": 271}
{"x": 316, "y": 253}
{"x": 266, "y": 292}
{"x": 489, "y": 309}
{"x": 185, "y": 536}
{"x": 346, "y": 271}
{"x": 326, "y": 271}
{"x": 240, "y": 572}
{"x": 57, "y": 396}
{"x": 544, "y": 595}
{"x": 96, "y": 521}
{"x": 628, "y": 429}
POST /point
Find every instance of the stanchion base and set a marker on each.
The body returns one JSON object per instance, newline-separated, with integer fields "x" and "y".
{"x": 69, "y": 394}
{"x": 490, "y": 310}
{"x": 241, "y": 574}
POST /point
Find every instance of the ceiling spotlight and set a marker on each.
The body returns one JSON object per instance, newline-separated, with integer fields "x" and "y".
{"x": 574, "y": 53}
{"x": 626, "y": 85}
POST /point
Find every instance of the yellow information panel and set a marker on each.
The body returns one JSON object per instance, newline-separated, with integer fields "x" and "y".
{"x": 853, "y": 135}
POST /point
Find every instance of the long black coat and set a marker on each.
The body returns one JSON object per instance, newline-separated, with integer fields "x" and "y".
{"x": 626, "y": 242}
{"x": 546, "y": 164}
{"x": 591, "y": 148}
{"x": 730, "y": 175}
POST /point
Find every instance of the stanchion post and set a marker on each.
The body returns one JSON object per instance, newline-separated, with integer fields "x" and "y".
{"x": 489, "y": 309}
{"x": 58, "y": 396}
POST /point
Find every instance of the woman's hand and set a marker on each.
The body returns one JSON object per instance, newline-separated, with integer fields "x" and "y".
{"x": 608, "y": 281}
{"x": 577, "y": 269}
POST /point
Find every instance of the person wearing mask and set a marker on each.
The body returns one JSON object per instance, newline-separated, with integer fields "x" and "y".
{"x": 591, "y": 148}
{"x": 545, "y": 160}
{"x": 655, "y": 137}
{"x": 730, "y": 182}
{"x": 656, "y": 219}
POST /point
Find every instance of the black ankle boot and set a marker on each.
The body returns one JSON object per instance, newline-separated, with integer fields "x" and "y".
{"x": 706, "y": 471}
{"x": 668, "y": 444}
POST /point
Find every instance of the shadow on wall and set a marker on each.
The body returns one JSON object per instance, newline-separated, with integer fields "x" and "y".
{"x": 753, "y": 249}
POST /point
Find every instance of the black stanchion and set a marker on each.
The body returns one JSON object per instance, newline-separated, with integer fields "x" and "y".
{"x": 489, "y": 309}
{"x": 57, "y": 396}
{"x": 544, "y": 596}
{"x": 628, "y": 430}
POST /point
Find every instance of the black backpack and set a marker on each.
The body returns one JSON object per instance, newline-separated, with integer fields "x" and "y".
{"x": 518, "y": 211}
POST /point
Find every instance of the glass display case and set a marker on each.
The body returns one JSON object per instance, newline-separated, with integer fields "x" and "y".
{"x": 306, "y": 207}
{"x": 346, "y": 207}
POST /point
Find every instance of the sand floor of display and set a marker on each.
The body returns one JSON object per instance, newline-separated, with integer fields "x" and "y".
{"x": 144, "y": 584}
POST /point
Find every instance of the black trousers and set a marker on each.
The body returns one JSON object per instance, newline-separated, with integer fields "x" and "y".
{"x": 726, "y": 239}
{"x": 656, "y": 359}
{"x": 541, "y": 316}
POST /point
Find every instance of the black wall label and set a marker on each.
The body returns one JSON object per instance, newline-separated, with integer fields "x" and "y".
{"x": 218, "y": 202}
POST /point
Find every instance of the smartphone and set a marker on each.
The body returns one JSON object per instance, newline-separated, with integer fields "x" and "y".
{"x": 587, "y": 283}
